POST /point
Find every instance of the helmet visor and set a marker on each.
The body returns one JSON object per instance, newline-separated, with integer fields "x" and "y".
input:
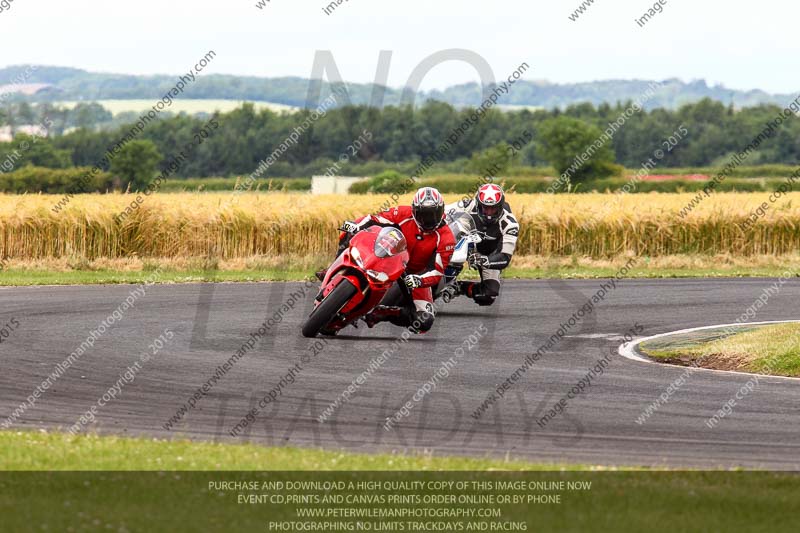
{"x": 429, "y": 216}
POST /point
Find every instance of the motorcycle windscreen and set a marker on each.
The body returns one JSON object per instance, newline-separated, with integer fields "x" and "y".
{"x": 461, "y": 224}
{"x": 390, "y": 242}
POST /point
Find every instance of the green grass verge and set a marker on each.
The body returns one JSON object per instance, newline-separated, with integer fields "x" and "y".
{"x": 465, "y": 184}
{"x": 588, "y": 272}
{"x": 163, "y": 500}
{"x": 26, "y": 277}
{"x": 47, "y": 451}
{"x": 229, "y": 184}
{"x": 13, "y": 277}
{"x": 773, "y": 349}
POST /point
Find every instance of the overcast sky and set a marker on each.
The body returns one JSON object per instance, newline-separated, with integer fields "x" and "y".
{"x": 740, "y": 43}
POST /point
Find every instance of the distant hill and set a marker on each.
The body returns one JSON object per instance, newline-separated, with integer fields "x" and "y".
{"x": 79, "y": 85}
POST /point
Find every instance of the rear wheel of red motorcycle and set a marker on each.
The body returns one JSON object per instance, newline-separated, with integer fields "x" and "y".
{"x": 329, "y": 308}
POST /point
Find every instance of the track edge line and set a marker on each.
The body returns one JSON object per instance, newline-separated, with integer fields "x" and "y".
{"x": 629, "y": 349}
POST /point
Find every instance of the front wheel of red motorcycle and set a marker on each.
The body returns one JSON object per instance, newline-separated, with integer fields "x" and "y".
{"x": 328, "y": 308}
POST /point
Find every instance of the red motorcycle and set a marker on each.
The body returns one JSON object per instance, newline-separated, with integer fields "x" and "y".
{"x": 358, "y": 279}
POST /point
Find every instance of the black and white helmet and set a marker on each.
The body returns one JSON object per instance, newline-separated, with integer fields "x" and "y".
{"x": 428, "y": 208}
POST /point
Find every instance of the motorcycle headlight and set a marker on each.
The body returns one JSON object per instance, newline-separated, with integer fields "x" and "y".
{"x": 356, "y": 255}
{"x": 378, "y": 276}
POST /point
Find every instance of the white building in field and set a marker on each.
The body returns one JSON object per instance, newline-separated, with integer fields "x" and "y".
{"x": 332, "y": 184}
{"x": 28, "y": 89}
{"x": 7, "y": 133}
{"x": 34, "y": 130}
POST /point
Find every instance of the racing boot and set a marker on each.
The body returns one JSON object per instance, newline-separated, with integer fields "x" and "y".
{"x": 483, "y": 294}
{"x": 320, "y": 274}
{"x": 466, "y": 288}
{"x": 381, "y": 313}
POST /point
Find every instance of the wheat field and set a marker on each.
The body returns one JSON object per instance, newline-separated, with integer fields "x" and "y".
{"x": 225, "y": 226}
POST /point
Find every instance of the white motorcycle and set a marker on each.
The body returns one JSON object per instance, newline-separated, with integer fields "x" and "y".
{"x": 467, "y": 237}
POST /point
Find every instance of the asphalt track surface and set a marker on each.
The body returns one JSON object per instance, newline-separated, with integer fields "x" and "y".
{"x": 211, "y": 322}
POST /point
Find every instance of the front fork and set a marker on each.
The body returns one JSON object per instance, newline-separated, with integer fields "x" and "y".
{"x": 451, "y": 273}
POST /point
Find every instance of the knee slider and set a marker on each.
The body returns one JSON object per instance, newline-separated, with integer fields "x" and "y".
{"x": 425, "y": 321}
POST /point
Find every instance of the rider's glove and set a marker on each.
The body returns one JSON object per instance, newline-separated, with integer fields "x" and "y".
{"x": 478, "y": 261}
{"x": 412, "y": 281}
{"x": 349, "y": 227}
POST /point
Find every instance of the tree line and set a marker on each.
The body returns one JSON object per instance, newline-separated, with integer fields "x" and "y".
{"x": 401, "y": 136}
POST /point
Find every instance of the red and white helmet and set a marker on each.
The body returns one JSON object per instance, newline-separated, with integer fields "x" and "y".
{"x": 490, "y": 199}
{"x": 428, "y": 208}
